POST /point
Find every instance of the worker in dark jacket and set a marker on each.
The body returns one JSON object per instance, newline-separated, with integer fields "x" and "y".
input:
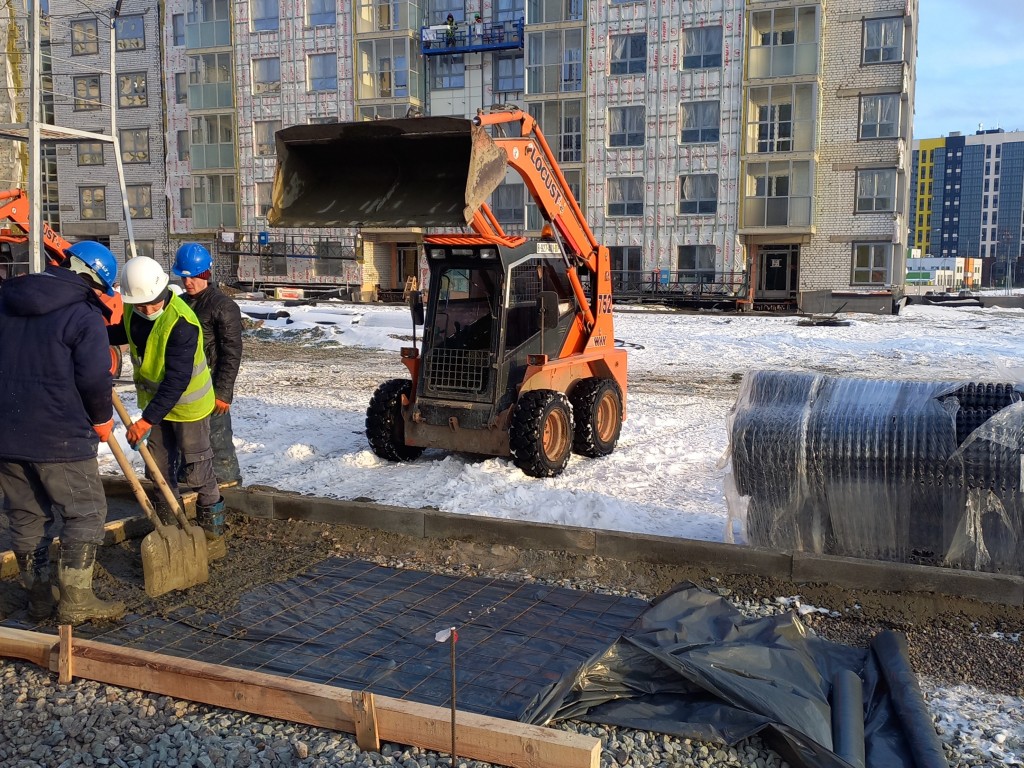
{"x": 55, "y": 405}
{"x": 222, "y": 336}
{"x": 175, "y": 390}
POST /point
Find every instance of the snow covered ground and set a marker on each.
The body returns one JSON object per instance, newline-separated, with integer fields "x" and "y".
{"x": 299, "y": 426}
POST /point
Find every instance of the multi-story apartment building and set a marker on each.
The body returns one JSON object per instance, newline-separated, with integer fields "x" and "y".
{"x": 968, "y": 200}
{"x": 755, "y": 150}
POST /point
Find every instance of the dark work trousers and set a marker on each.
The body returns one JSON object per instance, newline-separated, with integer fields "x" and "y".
{"x": 225, "y": 462}
{"x": 187, "y": 442}
{"x": 33, "y": 492}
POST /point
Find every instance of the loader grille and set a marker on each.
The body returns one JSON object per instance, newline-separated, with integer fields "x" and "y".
{"x": 458, "y": 370}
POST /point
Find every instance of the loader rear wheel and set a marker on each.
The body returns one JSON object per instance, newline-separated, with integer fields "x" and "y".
{"x": 597, "y": 408}
{"x": 385, "y": 427}
{"x": 540, "y": 433}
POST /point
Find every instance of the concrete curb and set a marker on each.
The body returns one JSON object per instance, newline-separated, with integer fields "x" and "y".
{"x": 799, "y": 567}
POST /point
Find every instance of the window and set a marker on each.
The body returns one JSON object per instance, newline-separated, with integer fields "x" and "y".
{"x": 264, "y": 190}
{"x": 87, "y": 93}
{"x": 180, "y": 87}
{"x": 880, "y": 116}
{"x": 323, "y": 71}
{"x": 628, "y": 54}
{"x": 265, "y": 15}
{"x": 555, "y": 63}
{"x": 508, "y": 10}
{"x": 178, "y": 29}
{"x": 142, "y": 248}
{"x": 213, "y": 201}
{"x": 511, "y": 72}
{"x": 702, "y": 48}
{"x": 507, "y": 203}
{"x": 131, "y": 90}
{"x": 625, "y": 126}
{"x": 774, "y": 127}
{"x": 84, "y": 37}
{"x": 183, "y": 146}
{"x": 448, "y": 71}
{"x": 130, "y": 33}
{"x": 93, "y": 203}
{"x": 698, "y": 193}
{"x": 185, "y": 202}
{"x": 562, "y": 123}
{"x": 780, "y": 118}
{"x": 876, "y": 191}
{"x": 385, "y": 70}
{"x": 783, "y": 42}
{"x": 140, "y": 201}
{"x": 626, "y": 196}
{"x": 90, "y": 153}
{"x": 212, "y": 144}
{"x": 266, "y": 75}
{"x": 548, "y": 11}
{"x": 321, "y": 13}
{"x": 263, "y": 137}
{"x": 778, "y": 194}
{"x": 699, "y": 121}
{"x": 872, "y": 263}
{"x": 439, "y": 10}
{"x": 134, "y": 145}
{"x": 696, "y": 263}
{"x": 321, "y": 119}
{"x": 883, "y": 40}
{"x": 209, "y": 81}
{"x": 627, "y": 267}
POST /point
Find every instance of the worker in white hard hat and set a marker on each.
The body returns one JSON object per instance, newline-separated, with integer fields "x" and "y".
{"x": 175, "y": 390}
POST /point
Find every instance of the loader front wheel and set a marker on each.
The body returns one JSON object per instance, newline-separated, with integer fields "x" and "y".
{"x": 541, "y": 433}
{"x": 597, "y": 407}
{"x": 385, "y": 427}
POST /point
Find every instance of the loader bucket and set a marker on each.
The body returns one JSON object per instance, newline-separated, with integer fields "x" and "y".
{"x": 409, "y": 172}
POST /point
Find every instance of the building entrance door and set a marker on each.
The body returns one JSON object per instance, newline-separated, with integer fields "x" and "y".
{"x": 777, "y": 271}
{"x": 408, "y": 256}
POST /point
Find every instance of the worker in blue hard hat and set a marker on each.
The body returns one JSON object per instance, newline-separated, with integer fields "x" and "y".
{"x": 56, "y": 408}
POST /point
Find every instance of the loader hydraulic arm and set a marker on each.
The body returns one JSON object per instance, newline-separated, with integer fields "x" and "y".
{"x": 531, "y": 156}
{"x": 14, "y": 206}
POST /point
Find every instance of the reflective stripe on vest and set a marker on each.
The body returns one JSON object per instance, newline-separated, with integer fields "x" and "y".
{"x": 198, "y": 399}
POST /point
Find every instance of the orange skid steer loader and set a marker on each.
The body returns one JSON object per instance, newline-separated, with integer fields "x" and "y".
{"x": 518, "y": 354}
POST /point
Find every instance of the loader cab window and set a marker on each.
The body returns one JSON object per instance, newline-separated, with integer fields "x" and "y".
{"x": 466, "y": 308}
{"x": 526, "y": 281}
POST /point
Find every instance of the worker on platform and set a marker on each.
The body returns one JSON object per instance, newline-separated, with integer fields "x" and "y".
{"x": 452, "y": 28}
{"x": 55, "y": 407}
{"x": 175, "y": 390}
{"x": 221, "y": 320}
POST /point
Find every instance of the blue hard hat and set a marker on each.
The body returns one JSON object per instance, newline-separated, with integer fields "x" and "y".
{"x": 98, "y": 260}
{"x": 191, "y": 260}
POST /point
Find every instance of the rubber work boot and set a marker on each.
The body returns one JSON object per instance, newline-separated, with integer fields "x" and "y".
{"x": 211, "y": 518}
{"x": 35, "y": 577}
{"x": 78, "y": 603}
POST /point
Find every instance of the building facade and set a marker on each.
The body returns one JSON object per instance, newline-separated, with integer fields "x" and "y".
{"x": 968, "y": 201}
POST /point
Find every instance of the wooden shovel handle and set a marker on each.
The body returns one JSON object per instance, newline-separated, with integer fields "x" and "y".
{"x": 133, "y": 481}
{"x": 151, "y": 465}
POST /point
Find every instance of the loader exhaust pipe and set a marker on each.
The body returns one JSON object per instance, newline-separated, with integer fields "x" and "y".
{"x": 408, "y": 172}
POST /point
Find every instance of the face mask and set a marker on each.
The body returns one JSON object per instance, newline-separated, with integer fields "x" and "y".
{"x": 152, "y": 318}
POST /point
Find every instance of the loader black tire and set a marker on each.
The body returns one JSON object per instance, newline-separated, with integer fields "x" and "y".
{"x": 385, "y": 428}
{"x": 541, "y": 432}
{"x": 597, "y": 409}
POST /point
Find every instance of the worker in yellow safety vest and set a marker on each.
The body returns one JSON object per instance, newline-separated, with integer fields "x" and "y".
{"x": 175, "y": 391}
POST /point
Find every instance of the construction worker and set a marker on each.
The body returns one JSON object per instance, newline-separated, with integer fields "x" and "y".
{"x": 175, "y": 390}
{"x": 452, "y": 27}
{"x": 55, "y": 407}
{"x": 222, "y": 338}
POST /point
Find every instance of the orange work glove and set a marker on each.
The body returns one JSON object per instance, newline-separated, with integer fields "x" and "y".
{"x": 220, "y": 407}
{"x": 104, "y": 430}
{"x": 138, "y": 432}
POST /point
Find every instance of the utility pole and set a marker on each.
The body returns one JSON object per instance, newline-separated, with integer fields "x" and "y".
{"x": 36, "y": 260}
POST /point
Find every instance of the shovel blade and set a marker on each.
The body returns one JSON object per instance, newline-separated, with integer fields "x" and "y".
{"x": 171, "y": 560}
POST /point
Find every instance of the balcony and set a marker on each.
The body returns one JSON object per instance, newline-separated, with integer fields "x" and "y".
{"x": 494, "y": 36}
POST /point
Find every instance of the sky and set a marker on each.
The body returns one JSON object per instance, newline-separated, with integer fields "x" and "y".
{"x": 299, "y": 426}
{"x": 970, "y": 67}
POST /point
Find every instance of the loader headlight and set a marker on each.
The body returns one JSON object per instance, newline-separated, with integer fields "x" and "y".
{"x": 488, "y": 253}
{"x": 437, "y": 253}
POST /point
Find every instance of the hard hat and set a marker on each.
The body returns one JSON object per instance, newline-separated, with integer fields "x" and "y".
{"x": 143, "y": 280}
{"x": 94, "y": 261}
{"x": 191, "y": 259}
{"x": 176, "y": 289}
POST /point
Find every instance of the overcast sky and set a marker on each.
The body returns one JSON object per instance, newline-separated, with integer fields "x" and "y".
{"x": 970, "y": 66}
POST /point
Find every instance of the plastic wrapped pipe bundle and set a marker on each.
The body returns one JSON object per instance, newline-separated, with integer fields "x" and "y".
{"x": 926, "y": 472}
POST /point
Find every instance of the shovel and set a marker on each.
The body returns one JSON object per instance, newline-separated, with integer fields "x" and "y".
{"x": 193, "y": 555}
{"x": 167, "y": 549}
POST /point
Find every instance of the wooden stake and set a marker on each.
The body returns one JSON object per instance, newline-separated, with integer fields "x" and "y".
{"x": 64, "y": 665}
{"x": 365, "y": 713}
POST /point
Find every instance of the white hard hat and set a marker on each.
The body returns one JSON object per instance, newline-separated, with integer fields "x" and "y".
{"x": 142, "y": 280}
{"x": 176, "y": 289}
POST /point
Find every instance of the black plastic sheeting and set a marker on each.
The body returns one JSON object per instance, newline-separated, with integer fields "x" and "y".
{"x": 688, "y": 664}
{"x": 911, "y": 471}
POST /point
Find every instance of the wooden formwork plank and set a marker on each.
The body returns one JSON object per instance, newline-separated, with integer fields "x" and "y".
{"x": 65, "y": 667}
{"x": 365, "y": 712}
{"x": 483, "y": 738}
